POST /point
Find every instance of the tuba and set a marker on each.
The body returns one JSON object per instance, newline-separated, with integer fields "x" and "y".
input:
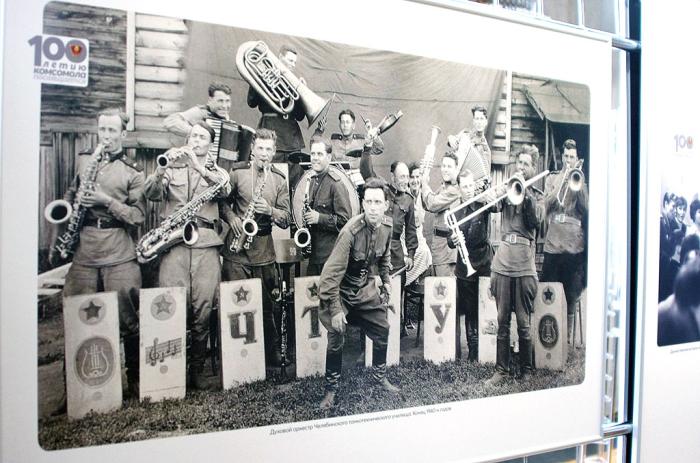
{"x": 181, "y": 226}
{"x": 271, "y": 79}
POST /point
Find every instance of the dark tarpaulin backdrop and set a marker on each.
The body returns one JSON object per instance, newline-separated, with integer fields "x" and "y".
{"x": 370, "y": 82}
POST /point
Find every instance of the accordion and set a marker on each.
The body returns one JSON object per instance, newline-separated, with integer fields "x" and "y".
{"x": 477, "y": 165}
{"x": 232, "y": 141}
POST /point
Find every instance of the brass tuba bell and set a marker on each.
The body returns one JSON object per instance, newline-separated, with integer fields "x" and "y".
{"x": 275, "y": 83}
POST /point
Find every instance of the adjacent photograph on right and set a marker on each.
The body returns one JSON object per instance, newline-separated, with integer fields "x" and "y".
{"x": 679, "y": 247}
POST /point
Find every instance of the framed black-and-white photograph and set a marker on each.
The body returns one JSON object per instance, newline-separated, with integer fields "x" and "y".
{"x": 276, "y": 229}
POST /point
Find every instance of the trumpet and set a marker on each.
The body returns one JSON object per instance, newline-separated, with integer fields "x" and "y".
{"x": 302, "y": 237}
{"x": 429, "y": 156}
{"x": 165, "y": 159}
{"x": 515, "y": 192}
{"x": 572, "y": 180}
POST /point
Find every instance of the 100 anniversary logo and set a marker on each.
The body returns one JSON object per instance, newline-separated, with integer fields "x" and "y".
{"x": 61, "y": 60}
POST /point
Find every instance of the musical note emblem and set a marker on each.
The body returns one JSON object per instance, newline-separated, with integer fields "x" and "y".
{"x": 95, "y": 361}
{"x": 158, "y": 352}
{"x": 549, "y": 331}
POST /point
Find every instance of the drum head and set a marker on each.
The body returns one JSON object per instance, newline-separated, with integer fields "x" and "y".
{"x": 300, "y": 191}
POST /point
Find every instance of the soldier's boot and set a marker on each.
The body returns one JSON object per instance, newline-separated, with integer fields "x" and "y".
{"x": 379, "y": 375}
{"x": 569, "y": 327}
{"x": 334, "y": 365}
{"x": 273, "y": 352}
{"x": 473, "y": 343}
{"x": 502, "y": 363}
{"x": 131, "y": 360}
{"x": 198, "y": 380}
{"x": 525, "y": 356}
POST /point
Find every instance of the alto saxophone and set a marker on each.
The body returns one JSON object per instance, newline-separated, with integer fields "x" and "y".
{"x": 250, "y": 227}
{"x": 60, "y": 210}
{"x": 302, "y": 237}
{"x": 181, "y": 226}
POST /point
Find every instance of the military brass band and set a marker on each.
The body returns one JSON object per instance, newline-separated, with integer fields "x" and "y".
{"x": 217, "y": 224}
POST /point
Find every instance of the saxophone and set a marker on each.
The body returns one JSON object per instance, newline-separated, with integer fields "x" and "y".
{"x": 181, "y": 226}
{"x": 302, "y": 237}
{"x": 60, "y": 210}
{"x": 250, "y": 227}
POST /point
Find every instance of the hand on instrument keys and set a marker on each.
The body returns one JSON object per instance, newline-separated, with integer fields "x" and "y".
{"x": 194, "y": 162}
{"x": 236, "y": 225}
{"x": 338, "y": 322}
{"x": 408, "y": 262}
{"x": 261, "y": 207}
{"x": 95, "y": 198}
{"x": 311, "y": 217}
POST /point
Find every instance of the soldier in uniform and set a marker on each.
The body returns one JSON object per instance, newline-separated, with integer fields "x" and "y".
{"x": 476, "y": 236}
{"x": 564, "y": 246}
{"x": 349, "y": 295}
{"x": 270, "y": 207}
{"x": 217, "y": 107}
{"x": 348, "y": 146}
{"x": 475, "y": 137}
{"x": 195, "y": 267}
{"x": 444, "y": 257}
{"x": 513, "y": 273}
{"x": 329, "y": 205}
{"x": 105, "y": 259}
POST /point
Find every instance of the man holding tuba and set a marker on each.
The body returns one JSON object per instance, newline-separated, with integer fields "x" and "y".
{"x": 566, "y": 206}
{"x": 259, "y": 198}
{"x": 329, "y": 205}
{"x": 193, "y": 264}
{"x": 513, "y": 273}
{"x": 287, "y": 130}
{"x": 105, "y": 257}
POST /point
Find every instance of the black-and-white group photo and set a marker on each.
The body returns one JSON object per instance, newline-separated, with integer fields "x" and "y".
{"x": 679, "y": 247}
{"x": 239, "y": 228}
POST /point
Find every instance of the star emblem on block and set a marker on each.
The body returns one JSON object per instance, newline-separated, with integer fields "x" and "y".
{"x": 241, "y": 295}
{"x": 92, "y": 310}
{"x": 548, "y": 295}
{"x": 162, "y": 305}
{"x": 440, "y": 290}
{"x": 312, "y": 291}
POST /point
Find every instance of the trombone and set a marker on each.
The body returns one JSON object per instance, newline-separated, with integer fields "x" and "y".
{"x": 515, "y": 192}
{"x": 573, "y": 180}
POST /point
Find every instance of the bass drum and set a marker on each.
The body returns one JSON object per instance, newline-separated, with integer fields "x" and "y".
{"x": 300, "y": 191}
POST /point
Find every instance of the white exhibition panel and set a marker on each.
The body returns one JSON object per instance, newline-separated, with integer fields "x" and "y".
{"x": 667, "y": 403}
{"x": 442, "y": 34}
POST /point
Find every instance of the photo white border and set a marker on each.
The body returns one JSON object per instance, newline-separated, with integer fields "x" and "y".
{"x": 476, "y": 430}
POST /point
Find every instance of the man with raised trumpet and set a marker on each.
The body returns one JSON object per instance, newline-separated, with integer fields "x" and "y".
{"x": 259, "y": 198}
{"x": 566, "y": 206}
{"x": 476, "y": 238}
{"x": 348, "y": 293}
{"x": 513, "y": 273}
{"x": 444, "y": 257}
{"x": 108, "y": 186}
{"x": 328, "y": 205}
{"x": 192, "y": 264}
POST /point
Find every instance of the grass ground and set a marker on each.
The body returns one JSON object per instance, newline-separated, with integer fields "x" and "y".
{"x": 277, "y": 400}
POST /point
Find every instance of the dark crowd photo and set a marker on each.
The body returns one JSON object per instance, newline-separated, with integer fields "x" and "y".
{"x": 240, "y": 228}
